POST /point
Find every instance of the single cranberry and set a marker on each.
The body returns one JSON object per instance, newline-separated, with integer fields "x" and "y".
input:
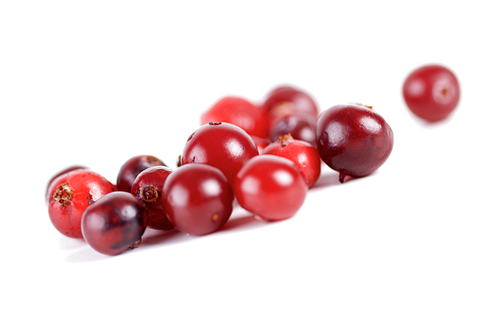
{"x": 60, "y": 173}
{"x": 148, "y": 187}
{"x": 132, "y": 167}
{"x": 222, "y": 145}
{"x": 300, "y": 126}
{"x": 270, "y": 187}
{"x": 71, "y": 194}
{"x": 240, "y": 112}
{"x": 353, "y": 140}
{"x": 115, "y": 223}
{"x": 197, "y": 198}
{"x": 431, "y": 92}
{"x": 302, "y": 153}
{"x": 285, "y": 100}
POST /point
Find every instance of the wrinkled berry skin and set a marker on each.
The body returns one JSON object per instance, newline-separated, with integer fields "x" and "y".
{"x": 70, "y": 195}
{"x": 148, "y": 187}
{"x": 353, "y": 140}
{"x": 431, "y": 92}
{"x": 114, "y": 223}
{"x": 132, "y": 167}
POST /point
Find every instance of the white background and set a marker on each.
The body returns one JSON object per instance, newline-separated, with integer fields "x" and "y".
{"x": 414, "y": 247}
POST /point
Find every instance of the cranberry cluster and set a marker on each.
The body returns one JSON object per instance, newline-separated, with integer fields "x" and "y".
{"x": 265, "y": 157}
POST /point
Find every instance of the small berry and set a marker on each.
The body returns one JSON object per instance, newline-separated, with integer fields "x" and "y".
{"x": 431, "y": 92}
{"x": 132, "y": 167}
{"x": 71, "y": 194}
{"x": 197, "y": 198}
{"x": 270, "y": 187}
{"x": 115, "y": 223}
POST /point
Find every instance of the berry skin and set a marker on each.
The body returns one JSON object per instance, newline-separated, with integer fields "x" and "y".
{"x": 286, "y": 100}
{"x": 224, "y": 146}
{"x": 431, "y": 92}
{"x": 299, "y": 126}
{"x": 303, "y": 154}
{"x": 132, "y": 167}
{"x": 197, "y": 198}
{"x": 240, "y": 112}
{"x": 148, "y": 187}
{"x": 115, "y": 223}
{"x": 71, "y": 194}
{"x": 60, "y": 173}
{"x": 353, "y": 140}
{"x": 270, "y": 187}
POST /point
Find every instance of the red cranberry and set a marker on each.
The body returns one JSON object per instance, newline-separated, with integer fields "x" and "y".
{"x": 240, "y": 112}
{"x": 60, "y": 173}
{"x": 70, "y": 194}
{"x": 197, "y": 198}
{"x": 270, "y": 187}
{"x": 431, "y": 92}
{"x": 148, "y": 187}
{"x": 303, "y": 154}
{"x": 115, "y": 223}
{"x": 222, "y": 145}
{"x": 132, "y": 167}
{"x": 300, "y": 126}
{"x": 353, "y": 140}
{"x": 285, "y": 100}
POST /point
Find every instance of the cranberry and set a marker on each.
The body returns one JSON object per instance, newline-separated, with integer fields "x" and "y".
{"x": 222, "y": 145}
{"x": 148, "y": 187}
{"x": 303, "y": 154}
{"x": 70, "y": 194}
{"x": 431, "y": 92}
{"x": 271, "y": 187}
{"x": 60, "y": 173}
{"x": 240, "y": 112}
{"x": 115, "y": 223}
{"x": 132, "y": 167}
{"x": 197, "y": 198}
{"x": 353, "y": 140}
{"x": 300, "y": 126}
{"x": 285, "y": 100}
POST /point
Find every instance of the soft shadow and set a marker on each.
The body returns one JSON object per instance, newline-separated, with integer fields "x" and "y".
{"x": 67, "y": 243}
{"x": 155, "y": 237}
{"x": 244, "y": 222}
{"x": 327, "y": 179}
{"x": 86, "y": 254}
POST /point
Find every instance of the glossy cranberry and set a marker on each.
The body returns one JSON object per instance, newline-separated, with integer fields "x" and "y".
{"x": 197, "y": 198}
{"x": 60, "y": 173}
{"x": 271, "y": 187}
{"x": 353, "y": 140}
{"x": 147, "y": 187}
{"x": 302, "y": 153}
{"x": 222, "y": 145}
{"x": 299, "y": 126}
{"x": 132, "y": 167}
{"x": 240, "y": 112}
{"x": 114, "y": 223}
{"x": 286, "y": 100}
{"x": 71, "y": 194}
{"x": 431, "y": 92}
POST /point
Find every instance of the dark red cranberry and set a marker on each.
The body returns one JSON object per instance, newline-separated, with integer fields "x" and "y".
{"x": 115, "y": 223}
{"x": 302, "y": 153}
{"x": 222, "y": 145}
{"x": 431, "y": 92}
{"x": 60, "y": 173}
{"x": 71, "y": 194}
{"x": 148, "y": 187}
{"x": 240, "y": 112}
{"x": 271, "y": 187}
{"x": 285, "y": 100}
{"x": 299, "y": 126}
{"x": 353, "y": 140}
{"x": 197, "y": 198}
{"x": 132, "y": 167}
